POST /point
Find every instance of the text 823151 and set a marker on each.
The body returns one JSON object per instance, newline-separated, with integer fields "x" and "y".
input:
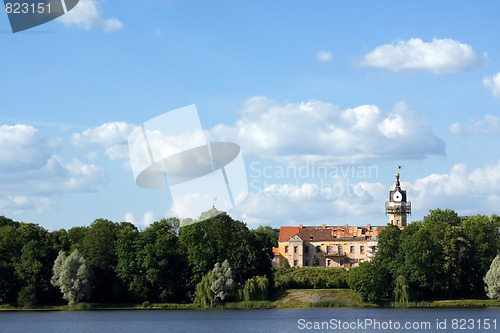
{"x": 25, "y": 8}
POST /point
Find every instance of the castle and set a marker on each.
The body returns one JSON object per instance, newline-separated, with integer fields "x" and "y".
{"x": 338, "y": 246}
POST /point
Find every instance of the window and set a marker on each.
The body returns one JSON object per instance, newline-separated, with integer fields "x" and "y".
{"x": 328, "y": 262}
{"x": 295, "y": 263}
{"x": 318, "y": 249}
{"x": 307, "y": 263}
{"x": 361, "y": 249}
{"x": 341, "y": 263}
{"x": 351, "y": 249}
{"x": 306, "y": 249}
{"x": 286, "y": 249}
{"x": 398, "y": 222}
{"x": 295, "y": 249}
{"x": 328, "y": 249}
{"x": 340, "y": 250}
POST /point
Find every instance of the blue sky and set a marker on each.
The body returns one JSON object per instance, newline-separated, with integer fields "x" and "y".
{"x": 325, "y": 99}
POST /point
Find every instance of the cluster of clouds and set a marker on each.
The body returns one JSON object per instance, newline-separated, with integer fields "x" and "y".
{"x": 490, "y": 124}
{"x": 320, "y": 132}
{"x": 87, "y": 14}
{"x": 463, "y": 189}
{"x": 31, "y": 173}
{"x": 439, "y": 56}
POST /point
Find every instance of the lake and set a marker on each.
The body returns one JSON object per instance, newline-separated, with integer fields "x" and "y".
{"x": 273, "y": 320}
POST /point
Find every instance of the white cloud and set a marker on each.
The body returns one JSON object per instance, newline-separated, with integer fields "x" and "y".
{"x": 16, "y": 204}
{"x": 112, "y": 136}
{"x": 324, "y": 56}
{"x": 468, "y": 191}
{"x": 493, "y": 83}
{"x": 31, "y": 172}
{"x": 147, "y": 219}
{"x": 331, "y": 203}
{"x": 488, "y": 125}
{"x": 22, "y": 147}
{"x": 440, "y": 56}
{"x": 316, "y": 131}
{"x": 88, "y": 15}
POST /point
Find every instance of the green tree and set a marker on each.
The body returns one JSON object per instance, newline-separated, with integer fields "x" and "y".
{"x": 217, "y": 239}
{"x": 203, "y": 296}
{"x": 161, "y": 261}
{"x": 315, "y": 261}
{"x": 128, "y": 270}
{"x": 73, "y": 276}
{"x": 32, "y": 263}
{"x": 371, "y": 281}
{"x": 223, "y": 284}
{"x": 401, "y": 290}
{"x": 482, "y": 237}
{"x": 256, "y": 289}
{"x": 99, "y": 247}
{"x": 389, "y": 249}
{"x": 492, "y": 279}
{"x": 267, "y": 236}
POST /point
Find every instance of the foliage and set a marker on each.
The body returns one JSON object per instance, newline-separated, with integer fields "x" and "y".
{"x": 203, "y": 296}
{"x": 255, "y": 289}
{"x": 443, "y": 256}
{"x": 27, "y": 296}
{"x": 492, "y": 279}
{"x": 219, "y": 238}
{"x": 73, "y": 276}
{"x": 223, "y": 284}
{"x": 370, "y": 280}
{"x": 401, "y": 290}
{"x": 310, "y": 277}
{"x": 315, "y": 261}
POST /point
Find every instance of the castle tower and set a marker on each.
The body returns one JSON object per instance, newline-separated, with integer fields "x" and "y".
{"x": 397, "y": 207}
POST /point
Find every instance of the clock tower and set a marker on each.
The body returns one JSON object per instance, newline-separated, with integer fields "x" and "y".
{"x": 397, "y": 207}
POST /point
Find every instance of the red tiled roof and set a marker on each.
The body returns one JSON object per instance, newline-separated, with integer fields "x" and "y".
{"x": 327, "y": 233}
{"x": 287, "y": 232}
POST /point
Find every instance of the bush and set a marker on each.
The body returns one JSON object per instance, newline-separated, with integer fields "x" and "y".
{"x": 27, "y": 297}
{"x": 310, "y": 278}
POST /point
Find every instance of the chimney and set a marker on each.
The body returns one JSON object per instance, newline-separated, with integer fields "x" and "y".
{"x": 324, "y": 226}
{"x": 301, "y": 226}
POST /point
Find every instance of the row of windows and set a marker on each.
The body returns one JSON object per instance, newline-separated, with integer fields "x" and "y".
{"x": 328, "y": 263}
{"x": 329, "y": 249}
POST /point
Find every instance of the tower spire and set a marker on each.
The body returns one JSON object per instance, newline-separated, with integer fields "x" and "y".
{"x": 397, "y": 207}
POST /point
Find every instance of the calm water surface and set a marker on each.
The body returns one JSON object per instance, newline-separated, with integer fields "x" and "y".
{"x": 276, "y": 320}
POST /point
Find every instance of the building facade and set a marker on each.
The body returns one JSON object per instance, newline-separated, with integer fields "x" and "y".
{"x": 338, "y": 246}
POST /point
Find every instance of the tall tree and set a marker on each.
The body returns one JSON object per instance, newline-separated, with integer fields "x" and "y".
{"x": 73, "y": 276}
{"x": 98, "y": 245}
{"x": 161, "y": 261}
{"x": 219, "y": 238}
{"x": 492, "y": 279}
{"x": 223, "y": 284}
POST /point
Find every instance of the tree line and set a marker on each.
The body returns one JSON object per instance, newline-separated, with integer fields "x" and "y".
{"x": 161, "y": 263}
{"x": 444, "y": 256}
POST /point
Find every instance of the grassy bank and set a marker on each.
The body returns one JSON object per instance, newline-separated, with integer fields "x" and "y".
{"x": 306, "y": 298}
{"x": 291, "y": 298}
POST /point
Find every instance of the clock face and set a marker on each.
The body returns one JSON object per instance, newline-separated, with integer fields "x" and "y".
{"x": 397, "y": 196}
